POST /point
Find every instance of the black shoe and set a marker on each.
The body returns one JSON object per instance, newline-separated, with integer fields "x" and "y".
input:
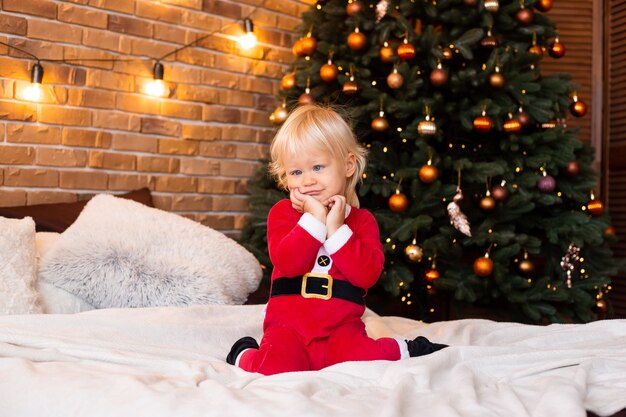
{"x": 239, "y": 346}
{"x": 422, "y": 346}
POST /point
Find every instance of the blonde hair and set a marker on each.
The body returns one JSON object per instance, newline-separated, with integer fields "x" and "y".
{"x": 312, "y": 126}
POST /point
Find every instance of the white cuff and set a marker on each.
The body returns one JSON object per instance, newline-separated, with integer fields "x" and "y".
{"x": 316, "y": 228}
{"x": 338, "y": 239}
{"x": 404, "y": 349}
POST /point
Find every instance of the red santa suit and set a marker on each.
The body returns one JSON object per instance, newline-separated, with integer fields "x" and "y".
{"x": 311, "y": 333}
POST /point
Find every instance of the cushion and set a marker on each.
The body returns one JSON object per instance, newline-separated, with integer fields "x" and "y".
{"x": 55, "y": 300}
{"x": 56, "y": 217}
{"x": 120, "y": 253}
{"x": 18, "y": 267}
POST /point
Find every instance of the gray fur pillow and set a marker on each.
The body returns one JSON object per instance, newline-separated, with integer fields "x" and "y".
{"x": 120, "y": 253}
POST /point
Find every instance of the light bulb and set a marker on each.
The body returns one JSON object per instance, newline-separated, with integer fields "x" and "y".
{"x": 156, "y": 88}
{"x": 32, "y": 92}
{"x": 248, "y": 39}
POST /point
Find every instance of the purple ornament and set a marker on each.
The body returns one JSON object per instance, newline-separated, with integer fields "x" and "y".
{"x": 546, "y": 184}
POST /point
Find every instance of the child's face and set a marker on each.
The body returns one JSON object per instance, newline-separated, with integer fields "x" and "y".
{"x": 318, "y": 174}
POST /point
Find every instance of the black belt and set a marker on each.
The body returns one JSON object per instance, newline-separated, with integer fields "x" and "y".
{"x": 314, "y": 285}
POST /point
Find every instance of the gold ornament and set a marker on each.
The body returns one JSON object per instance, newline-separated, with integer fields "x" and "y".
{"x": 578, "y": 108}
{"x": 439, "y": 76}
{"x": 523, "y": 117}
{"x": 329, "y": 71}
{"x": 572, "y": 169}
{"x": 413, "y": 252}
{"x": 492, "y": 5}
{"x": 427, "y": 127}
{"x": 500, "y": 192}
{"x": 353, "y": 7}
{"x": 380, "y": 124}
{"x": 386, "y": 53}
{"x": 512, "y": 125}
{"x": 280, "y": 114}
{"x": 524, "y": 16}
{"x": 428, "y": 173}
{"x": 556, "y": 49}
{"x": 288, "y": 81}
{"x": 308, "y": 45}
{"x": 356, "y": 40}
{"x": 543, "y": 5}
{"x": 398, "y": 202}
{"x": 487, "y": 203}
{"x": 489, "y": 41}
{"x": 431, "y": 275}
{"x": 609, "y": 231}
{"x": 446, "y": 53}
{"x": 496, "y": 79}
{"x": 534, "y": 48}
{"x": 483, "y": 123}
{"x": 525, "y": 266}
{"x": 350, "y": 87}
{"x": 395, "y": 79}
{"x": 406, "y": 50}
{"x": 483, "y": 266}
{"x": 595, "y": 207}
{"x": 306, "y": 98}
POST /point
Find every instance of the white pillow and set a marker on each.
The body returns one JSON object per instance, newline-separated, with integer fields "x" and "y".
{"x": 120, "y": 253}
{"x": 18, "y": 266}
{"x": 55, "y": 300}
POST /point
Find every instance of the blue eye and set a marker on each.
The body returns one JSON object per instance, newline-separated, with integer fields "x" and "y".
{"x": 296, "y": 172}
{"x": 318, "y": 167}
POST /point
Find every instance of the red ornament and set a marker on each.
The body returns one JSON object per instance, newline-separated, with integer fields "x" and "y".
{"x": 543, "y": 5}
{"x": 406, "y": 50}
{"x": 439, "y": 76}
{"x": 431, "y": 275}
{"x": 572, "y": 169}
{"x": 500, "y": 192}
{"x": 483, "y": 266}
{"x": 556, "y": 49}
{"x": 398, "y": 202}
{"x": 512, "y": 126}
{"x": 595, "y": 207}
{"x": 353, "y": 7}
{"x": 483, "y": 123}
{"x": 578, "y": 108}
{"x": 525, "y": 16}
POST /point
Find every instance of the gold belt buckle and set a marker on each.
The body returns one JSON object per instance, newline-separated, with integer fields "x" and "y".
{"x": 328, "y": 286}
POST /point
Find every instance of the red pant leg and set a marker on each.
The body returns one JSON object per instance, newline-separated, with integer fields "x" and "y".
{"x": 350, "y": 342}
{"x": 281, "y": 350}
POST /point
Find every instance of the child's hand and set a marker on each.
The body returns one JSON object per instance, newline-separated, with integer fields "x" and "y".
{"x": 306, "y": 204}
{"x": 336, "y": 215}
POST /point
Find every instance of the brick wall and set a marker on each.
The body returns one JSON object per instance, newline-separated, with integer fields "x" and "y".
{"x": 95, "y": 131}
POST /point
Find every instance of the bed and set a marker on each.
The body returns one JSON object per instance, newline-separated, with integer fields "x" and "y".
{"x": 74, "y": 353}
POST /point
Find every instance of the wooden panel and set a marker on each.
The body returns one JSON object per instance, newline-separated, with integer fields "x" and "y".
{"x": 573, "y": 20}
{"x": 615, "y": 130}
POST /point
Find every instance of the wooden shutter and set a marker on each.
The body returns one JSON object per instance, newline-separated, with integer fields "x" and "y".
{"x": 615, "y": 133}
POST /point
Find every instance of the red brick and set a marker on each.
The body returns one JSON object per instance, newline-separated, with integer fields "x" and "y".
{"x": 49, "y": 197}
{"x": 179, "y": 74}
{"x": 252, "y": 152}
{"x": 13, "y": 24}
{"x": 82, "y": 16}
{"x": 116, "y": 120}
{"x": 191, "y": 4}
{"x": 222, "y": 8}
{"x": 218, "y": 150}
{"x": 191, "y": 203}
{"x": 119, "y": 181}
{"x": 140, "y": 143}
{"x": 44, "y": 8}
{"x": 130, "y": 26}
{"x": 220, "y": 114}
{"x": 197, "y": 93}
{"x": 138, "y": 103}
{"x": 177, "y": 147}
{"x": 201, "y": 132}
{"x": 199, "y": 167}
{"x": 176, "y": 184}
{"x": 217, "y": 221}
{"x": 160, "y": 126}
{"x": 29, "y": 133}
{"x": 236, "y": 98}
{"x": 233, "y": 64}
{"x": 149, "y": 47}
{"x": 86, "y": 138}
{"x": 26, "y": 177}
{"x": 63, "y": 74}
{"x": 159, "y": 11}
{"x": 89, "y": 57}
{"x": 196, "y": 56}
{"x": 67, "y": 116}
{"x": 53, "y": 31}
{"x": 16, "y": 155}
{"x": 84, "y": 97}
{"x": 61, "y": 157}
{"x": 9, "y": 198}
{"x": 85, "y": 180}
{"x": 231, "y": 203}
{"x": 238, "y": 133}
{"x": 170, "y": 33}
{"x": 12, "y": 68}
{"x": 124, "y": 6}
{"x": 238, "y": 169}
{"x": 201, "y": 21}
{"x": 12, "y": 110}
{"x": 104, "y": 39}
{"x": 216, "y": 186}
{"x": 41, "y": 49}
{"x": 181, "y": 110}
{"x": 157, "y": 164}
{"x": 109, "y": 80}
{"x": 109, "y": 160}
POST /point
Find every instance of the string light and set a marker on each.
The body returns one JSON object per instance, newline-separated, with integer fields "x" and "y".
{"x": 33, "y": 91}
{"x": 157, "y": 87}
{"x": 248, "y": 40}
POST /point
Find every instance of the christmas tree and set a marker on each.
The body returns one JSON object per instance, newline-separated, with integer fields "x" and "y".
{"x": 479, "y": 188}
